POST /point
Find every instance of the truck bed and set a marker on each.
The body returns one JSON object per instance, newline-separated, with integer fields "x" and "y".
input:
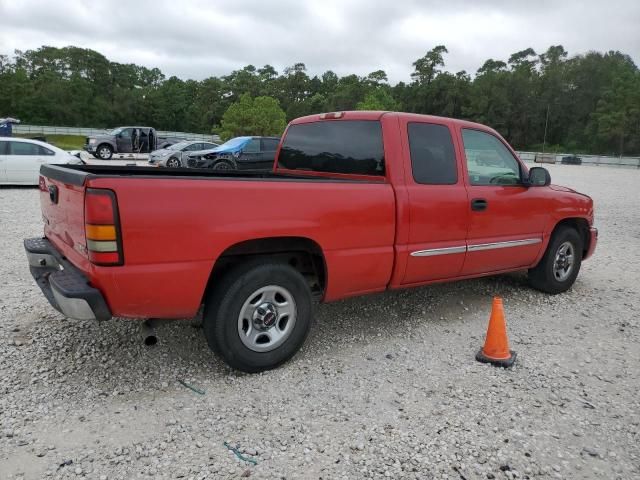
{"x": 78, "y": 174}
{"x": 176, "y": 223}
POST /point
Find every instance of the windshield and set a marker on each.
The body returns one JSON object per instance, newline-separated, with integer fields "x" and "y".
{"x": 178, "y": 146}
{"x": 235, "y": 142}
{"x": 115, "y": 131}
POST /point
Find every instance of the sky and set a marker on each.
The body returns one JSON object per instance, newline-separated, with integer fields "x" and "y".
{"x": 198, "y": 38}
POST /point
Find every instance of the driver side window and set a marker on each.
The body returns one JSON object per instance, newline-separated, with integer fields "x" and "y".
{"x": 489, "y": 162}
{"x": 126, "y": 133}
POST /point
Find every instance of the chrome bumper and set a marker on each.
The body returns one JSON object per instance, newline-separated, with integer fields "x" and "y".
{"x": 66, "y": 288}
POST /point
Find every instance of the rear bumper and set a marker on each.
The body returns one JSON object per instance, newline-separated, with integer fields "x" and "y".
{"x": 66, "y": 287}
{"x": 593, "y": 240}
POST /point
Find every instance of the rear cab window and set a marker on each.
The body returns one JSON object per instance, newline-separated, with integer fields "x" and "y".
{"x": 334, "y": 146}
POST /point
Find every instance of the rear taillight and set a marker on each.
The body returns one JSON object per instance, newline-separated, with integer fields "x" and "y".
{"x": 102, "y": 227}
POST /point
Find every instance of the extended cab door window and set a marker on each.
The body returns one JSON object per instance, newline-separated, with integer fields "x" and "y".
{"x": 433, "y": 159}
{"x": 437, "y": 205}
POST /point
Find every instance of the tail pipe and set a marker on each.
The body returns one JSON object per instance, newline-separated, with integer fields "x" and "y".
{"x": 148, "y": 331}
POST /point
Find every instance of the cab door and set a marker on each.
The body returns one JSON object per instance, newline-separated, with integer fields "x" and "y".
{"x": 123, "y": 141}
{"x": 437, "y": 197}
{"x": 506, "y": 218}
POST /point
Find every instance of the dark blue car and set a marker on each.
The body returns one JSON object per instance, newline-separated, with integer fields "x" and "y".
{"x": 239, "y": 153}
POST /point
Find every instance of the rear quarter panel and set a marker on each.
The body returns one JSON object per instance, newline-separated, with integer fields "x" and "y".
{"x": 175, "y": 229}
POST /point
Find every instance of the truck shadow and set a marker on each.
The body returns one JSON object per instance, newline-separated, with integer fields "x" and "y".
{"x": 110, "y": 356}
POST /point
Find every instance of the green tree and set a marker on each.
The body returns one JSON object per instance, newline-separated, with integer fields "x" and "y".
{"x": 253, "y": 116}
{"x": 586, "y": 103}
{"x": 617, "y": 116}
{"x": 378, "y": 99}
{"x": 426, "y": 68}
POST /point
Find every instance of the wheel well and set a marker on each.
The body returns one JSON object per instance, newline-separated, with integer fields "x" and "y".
{"x": 581, "y": 226}
{"x": 301, "y": 253}
{"x": 105, "y": 144}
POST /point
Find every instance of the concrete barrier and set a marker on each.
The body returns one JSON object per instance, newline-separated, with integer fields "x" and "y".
{"x": 586, "y": 159}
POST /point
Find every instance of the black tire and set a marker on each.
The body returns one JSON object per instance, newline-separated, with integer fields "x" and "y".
{"x": 223, "y": 165}
{"x": 104, "y": 151}
{"x": 543, "y": 276}
{"x": 173, "y": 162}
{"x": 225, "y": 302}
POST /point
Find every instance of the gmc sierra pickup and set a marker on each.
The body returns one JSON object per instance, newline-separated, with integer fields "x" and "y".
{"x": 357, "y": 202}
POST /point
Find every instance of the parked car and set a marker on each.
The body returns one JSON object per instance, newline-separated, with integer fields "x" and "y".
{"x": 240, "y": 153}
{"x": 21, "y": 158}
{"x": 126, "y": 140}
{"x": 176, "y": 155}
{"x": 571, "y": 160}
{"x": 357, "y": 202}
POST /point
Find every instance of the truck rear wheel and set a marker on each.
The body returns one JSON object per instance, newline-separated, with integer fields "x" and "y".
{"x": 259, "y": 316}
{"x": 559, "y": 267}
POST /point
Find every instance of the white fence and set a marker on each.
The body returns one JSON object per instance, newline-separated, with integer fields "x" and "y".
{"x": 586, "y": 159}
{"x": 85, "y": 132}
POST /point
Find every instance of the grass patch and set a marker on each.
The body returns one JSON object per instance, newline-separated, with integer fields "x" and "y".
{"x": 65, "y": 142}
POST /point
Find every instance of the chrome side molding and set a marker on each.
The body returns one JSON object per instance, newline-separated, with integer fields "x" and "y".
{"x": 439, "y": 251}
{"x": 475, "y": 248}
{"x": 513, "y": 243}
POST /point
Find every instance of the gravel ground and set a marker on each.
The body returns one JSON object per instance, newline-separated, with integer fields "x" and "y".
{"x": 387, "y": 386}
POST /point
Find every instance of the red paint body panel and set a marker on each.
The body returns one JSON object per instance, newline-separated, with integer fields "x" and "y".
{"x": 174, "y": 229}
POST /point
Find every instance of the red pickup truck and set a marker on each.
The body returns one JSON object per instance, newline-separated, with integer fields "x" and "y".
{"x": 357, "y": 202}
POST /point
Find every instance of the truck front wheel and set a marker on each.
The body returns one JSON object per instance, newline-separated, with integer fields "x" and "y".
{"x": 104, "y": 152}
{"x": 259, "y": 316}
{"x": 559, "y": 267}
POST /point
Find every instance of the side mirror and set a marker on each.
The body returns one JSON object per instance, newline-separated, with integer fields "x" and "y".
{"x": 539, "y": 177}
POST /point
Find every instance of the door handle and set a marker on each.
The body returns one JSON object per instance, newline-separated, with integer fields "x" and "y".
{"x": 479, "y": 204}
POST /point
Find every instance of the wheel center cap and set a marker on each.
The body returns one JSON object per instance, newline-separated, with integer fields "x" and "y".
{"x": 265, "y": 316}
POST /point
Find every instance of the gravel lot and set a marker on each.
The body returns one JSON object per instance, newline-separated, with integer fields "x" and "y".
{"x": 387, "y": 386}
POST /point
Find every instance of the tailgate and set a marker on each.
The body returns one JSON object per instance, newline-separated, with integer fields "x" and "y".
{"x": 62, "y": 203}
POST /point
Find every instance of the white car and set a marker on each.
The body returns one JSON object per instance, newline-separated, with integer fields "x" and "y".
{"x": 20, "y": 159}
{"x": 177, "y": 154}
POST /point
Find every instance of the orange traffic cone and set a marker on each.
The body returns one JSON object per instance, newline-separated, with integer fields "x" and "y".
{"x": 496, "y": 345}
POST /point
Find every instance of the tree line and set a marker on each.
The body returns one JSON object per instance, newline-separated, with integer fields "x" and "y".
{"x": 588, "y": 103}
